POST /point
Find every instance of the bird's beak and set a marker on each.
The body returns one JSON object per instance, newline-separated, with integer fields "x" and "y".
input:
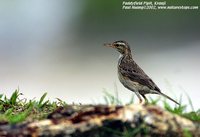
{"x": 109, "y": 45}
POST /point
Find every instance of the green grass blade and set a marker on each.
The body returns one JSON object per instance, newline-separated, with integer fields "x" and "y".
{"x": 154, "y": 101}
{"x": 1, "y": 95}
{"x": 14, "y": 97}
{"x": 9, "y": 112}
{"x": 42, "y": 99}
{"x": 13, "y": 119}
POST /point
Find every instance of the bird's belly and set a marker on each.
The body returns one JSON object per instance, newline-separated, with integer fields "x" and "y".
{"x": 133, "y": 86}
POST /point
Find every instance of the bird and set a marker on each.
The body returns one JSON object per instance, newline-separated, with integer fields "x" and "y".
{"x": 132, "y": 76}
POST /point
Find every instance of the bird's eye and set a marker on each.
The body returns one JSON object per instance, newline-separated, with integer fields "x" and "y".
{"x": 120, "y": 47}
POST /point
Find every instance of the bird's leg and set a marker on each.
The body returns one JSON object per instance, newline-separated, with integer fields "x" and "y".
{"x": 138, "y": 95}
{"x": 146, "y": 100}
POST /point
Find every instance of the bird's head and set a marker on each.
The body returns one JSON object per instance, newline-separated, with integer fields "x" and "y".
{"x": 121, "y": 46}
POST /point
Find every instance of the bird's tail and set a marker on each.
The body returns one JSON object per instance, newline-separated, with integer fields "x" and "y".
{"x": 168, "y": 98}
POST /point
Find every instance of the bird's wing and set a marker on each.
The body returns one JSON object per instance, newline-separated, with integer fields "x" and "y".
{"x": 135, "y": 73}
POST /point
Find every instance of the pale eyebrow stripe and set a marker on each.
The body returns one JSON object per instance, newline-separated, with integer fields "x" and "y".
{"x": 120, "y": 43}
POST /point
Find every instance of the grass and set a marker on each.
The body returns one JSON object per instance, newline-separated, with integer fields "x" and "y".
{"x": 178, "y": 109}
{"x": 14, "y": 109}
{"x": 143, "y": 130}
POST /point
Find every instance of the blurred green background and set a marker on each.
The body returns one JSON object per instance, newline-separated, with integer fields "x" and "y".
{"x": 56, "y": 46}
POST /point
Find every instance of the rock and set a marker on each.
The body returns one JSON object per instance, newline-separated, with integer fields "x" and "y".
{"x": 106, "y": 121}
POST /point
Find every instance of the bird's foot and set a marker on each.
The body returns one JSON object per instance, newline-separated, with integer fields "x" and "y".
{"x": 141, "y": 102}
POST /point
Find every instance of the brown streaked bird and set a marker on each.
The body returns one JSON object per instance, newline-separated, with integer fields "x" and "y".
{"x": 131, "y": 75}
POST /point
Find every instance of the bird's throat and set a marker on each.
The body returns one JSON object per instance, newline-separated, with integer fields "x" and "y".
{"x": 126, "y": 57}
{"x": 121, "y": 56}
